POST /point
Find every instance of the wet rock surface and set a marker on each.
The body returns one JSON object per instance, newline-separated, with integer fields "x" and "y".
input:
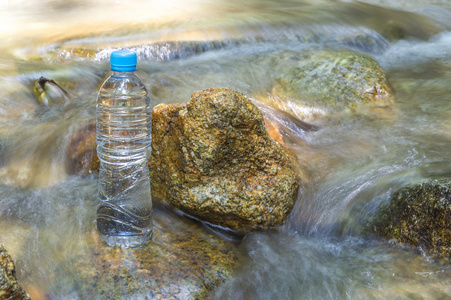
{"x": 9, "y": 287}
{"x": 212, "y": 158}
{"x": 82, "y": 151}
{"x": 182, "y": 261}
{"x": 419, "y": 216}
{"x": 315, "y": 84}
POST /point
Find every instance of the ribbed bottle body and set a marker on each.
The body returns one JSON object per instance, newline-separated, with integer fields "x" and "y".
{"x": 123, "y": 147}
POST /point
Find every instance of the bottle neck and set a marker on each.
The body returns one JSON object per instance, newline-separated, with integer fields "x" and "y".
{"x": 123, "y": 74}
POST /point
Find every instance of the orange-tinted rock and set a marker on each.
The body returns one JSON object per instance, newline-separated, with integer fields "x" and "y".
{"x": 273, "y": 131}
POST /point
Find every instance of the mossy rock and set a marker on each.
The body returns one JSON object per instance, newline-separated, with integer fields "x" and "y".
{"x": 419, "y": 216}
{"x": 312, "y": 85}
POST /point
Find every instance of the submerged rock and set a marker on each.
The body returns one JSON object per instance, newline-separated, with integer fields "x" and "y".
{"x": 419, "y": 216}
{"x": 9, "y": 287}
{"x": 212, "y": 158}
{"x": 312, "y": 85}
{"x": 182, "y": 261}
{"x": 82, "y": 153}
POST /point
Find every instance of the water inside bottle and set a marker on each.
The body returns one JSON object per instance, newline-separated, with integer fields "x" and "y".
{"x": 123, "y": 138}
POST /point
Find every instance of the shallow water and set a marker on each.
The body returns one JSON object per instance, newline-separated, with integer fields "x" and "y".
{"x": 351, "y": 163}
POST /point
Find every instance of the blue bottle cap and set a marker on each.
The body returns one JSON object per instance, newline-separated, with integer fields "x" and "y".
{"x": 123, "y": 61}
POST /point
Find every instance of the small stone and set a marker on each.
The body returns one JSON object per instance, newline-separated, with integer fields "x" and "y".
{"x": 48, "y": 92}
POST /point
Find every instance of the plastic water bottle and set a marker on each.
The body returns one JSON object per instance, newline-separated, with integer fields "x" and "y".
{"x": 123, "y": 147}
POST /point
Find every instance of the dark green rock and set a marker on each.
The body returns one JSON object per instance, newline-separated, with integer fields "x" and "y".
{"x": 213, "y": 159}
{"x": 9, "y": 287}
{"x": 419, "y": 216}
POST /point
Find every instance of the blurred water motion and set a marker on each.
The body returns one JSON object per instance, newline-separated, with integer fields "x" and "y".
{"x": 350, "y": 163}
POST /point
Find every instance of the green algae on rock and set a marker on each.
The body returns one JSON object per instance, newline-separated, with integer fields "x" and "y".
{"x": 316, "y": 84}
{"x": 420, "y": 216}
{"x": 212, "y": 158}
{"x": 182, "y": 261}
{"x": 9, "y": 287}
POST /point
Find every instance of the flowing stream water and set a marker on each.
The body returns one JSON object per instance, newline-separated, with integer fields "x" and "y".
{"x": 354, "y": 162}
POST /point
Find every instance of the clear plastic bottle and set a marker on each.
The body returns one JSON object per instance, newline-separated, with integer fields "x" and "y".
{"x": 123, "y": 147}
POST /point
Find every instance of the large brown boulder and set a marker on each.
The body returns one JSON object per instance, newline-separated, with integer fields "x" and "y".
{"x": 212, "y": 158}
{"x": 9, "y": 287}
